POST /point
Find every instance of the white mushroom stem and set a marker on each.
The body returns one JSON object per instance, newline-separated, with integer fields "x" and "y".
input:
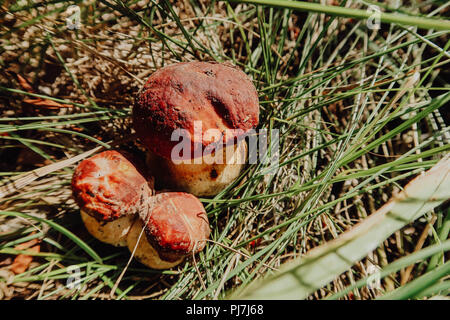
{"x": 113, "y": 232}
{"x": 207, "y": 178}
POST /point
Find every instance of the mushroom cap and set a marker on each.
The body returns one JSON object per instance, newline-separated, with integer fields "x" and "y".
{"x": 219, "y": 95}
{"x": 176, "y": 225}
{"x": 108, "y": 186}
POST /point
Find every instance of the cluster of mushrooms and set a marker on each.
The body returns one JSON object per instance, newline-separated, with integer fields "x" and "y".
{"x": 116, "y": 193}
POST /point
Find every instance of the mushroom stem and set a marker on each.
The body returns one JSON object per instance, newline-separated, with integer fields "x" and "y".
{"x": 207, "y": 178}
{"x": 113, "y": 232}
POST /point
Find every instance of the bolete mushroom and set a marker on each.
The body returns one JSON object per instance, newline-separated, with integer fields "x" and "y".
{"x": 110, "y": 191}
{"x": 174, "y": 226}
{"x": 210, "y": 107}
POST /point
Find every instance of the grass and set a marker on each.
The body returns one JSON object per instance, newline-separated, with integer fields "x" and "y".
{"x": 360, "y": 112}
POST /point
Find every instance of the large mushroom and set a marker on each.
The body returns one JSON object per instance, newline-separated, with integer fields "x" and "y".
{"x": 215, "y": 105}
{"x": 110, "y": 191}
{"x": 173, "y": 226}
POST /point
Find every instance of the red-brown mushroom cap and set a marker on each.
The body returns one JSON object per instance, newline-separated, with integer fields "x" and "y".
{"x": 176, "y": 225}
{"x": 108, "y": 186}
{"x": 220, "y": 96}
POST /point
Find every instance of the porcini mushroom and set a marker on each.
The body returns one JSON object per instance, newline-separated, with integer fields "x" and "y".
{"x": 174, "y": 226}
{"x": 110, "y": 191}
{"x": 212, "y": 104}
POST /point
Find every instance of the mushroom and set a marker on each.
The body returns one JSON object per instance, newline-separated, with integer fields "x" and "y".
{"x": 211, "y": 107}
{"x": 110, "y": 191}
{"x": 174, "y": 226}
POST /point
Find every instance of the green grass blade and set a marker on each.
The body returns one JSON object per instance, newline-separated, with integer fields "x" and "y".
{"x": 420, "y": 22}
{"x": 298, "y": 279}
{"x": 411, "y": 289}
{"x": 396, "y": 266}
{"x": 60, "y": 229}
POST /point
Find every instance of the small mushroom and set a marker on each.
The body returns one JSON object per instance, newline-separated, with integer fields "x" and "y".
{"x": 214, "y": 105}
{"x": 110, "y": 191}
{"x": 174, "y": 226}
